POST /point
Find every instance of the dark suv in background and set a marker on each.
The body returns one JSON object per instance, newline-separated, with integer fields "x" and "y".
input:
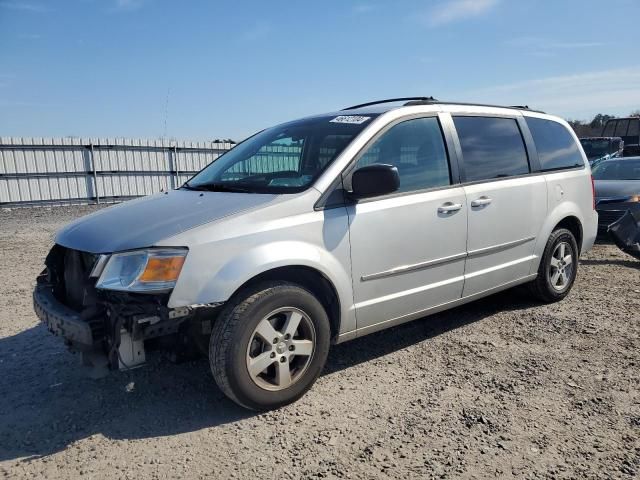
{"x": 598, "y": 149}
{"x": 628, "y": 129}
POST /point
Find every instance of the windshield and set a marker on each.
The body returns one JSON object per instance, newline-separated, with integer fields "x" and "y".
{"x": 283, "y": 159}
{"x": 595, "y": 148}
{"x": 623, "y": 169}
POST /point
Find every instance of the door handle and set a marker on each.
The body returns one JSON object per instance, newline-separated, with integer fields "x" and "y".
{"x": 449, "y": 207}
{"x": 481, "y": 202}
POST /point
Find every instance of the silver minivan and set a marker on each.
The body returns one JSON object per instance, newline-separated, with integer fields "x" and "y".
{"x": 322, "y": 230}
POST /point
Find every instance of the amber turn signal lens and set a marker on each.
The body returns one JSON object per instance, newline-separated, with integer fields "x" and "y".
{"x": 162, "y": 269}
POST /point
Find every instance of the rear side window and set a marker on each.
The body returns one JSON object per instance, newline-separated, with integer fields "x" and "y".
{"x": 491, "y": 147}
{"x": 609, "y": 128}
{"x": 634, "y": 128}
{"x": 556, "y": 147}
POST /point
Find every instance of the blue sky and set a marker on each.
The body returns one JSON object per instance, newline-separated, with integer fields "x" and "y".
{"x": 228, "y": 68}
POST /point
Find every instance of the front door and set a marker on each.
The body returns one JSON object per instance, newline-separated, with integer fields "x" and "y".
{"x": 408, "y": 249}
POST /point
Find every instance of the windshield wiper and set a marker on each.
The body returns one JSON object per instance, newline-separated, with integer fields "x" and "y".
{"x": 216, "y": 187}
{"x": 196, "y": 188}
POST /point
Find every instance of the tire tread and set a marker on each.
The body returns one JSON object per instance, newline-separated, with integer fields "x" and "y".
{"x": 539, "y": 287}
{"x": 227, "y": 322}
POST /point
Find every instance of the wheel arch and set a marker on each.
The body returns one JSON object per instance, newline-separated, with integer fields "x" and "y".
{"x": 215, "y": 279}
{"x": 308, "y": 278}
{"x": 565, "y": 215}
{"x": 573, "y": 224}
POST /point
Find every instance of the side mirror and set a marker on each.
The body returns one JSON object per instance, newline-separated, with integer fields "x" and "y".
{"x": 374, "y": 180}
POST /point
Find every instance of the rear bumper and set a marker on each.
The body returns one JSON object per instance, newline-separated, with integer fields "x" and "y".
{"x": 60, "y": 319}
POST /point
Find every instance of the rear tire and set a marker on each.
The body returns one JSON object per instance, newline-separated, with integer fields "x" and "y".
{"x": 269, "y": 345}
{"x": 558, "y": 267}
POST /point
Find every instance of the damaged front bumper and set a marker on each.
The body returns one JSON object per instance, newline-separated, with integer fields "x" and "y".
{"x": 115, "y": 329}
{"x": 610, "y": 213}
{"x": 625, "y": 232}
{"x": 61, "y": 320}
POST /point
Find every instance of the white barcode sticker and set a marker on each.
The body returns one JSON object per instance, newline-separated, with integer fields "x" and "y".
{"x": 355, "y": 119}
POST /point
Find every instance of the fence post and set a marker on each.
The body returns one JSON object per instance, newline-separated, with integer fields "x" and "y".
{"x": 61, "y": 152}
{"x": 95, "y": 175}
{"x": 176, "y": 182}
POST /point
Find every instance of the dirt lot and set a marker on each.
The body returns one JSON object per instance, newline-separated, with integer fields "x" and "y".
{"x": 504, "y": 387}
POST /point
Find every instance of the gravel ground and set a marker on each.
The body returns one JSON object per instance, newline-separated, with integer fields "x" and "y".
{"x": 503, "y": 387}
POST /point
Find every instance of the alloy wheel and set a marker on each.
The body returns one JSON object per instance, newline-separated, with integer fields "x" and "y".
{"x": 561, "y": 266}
{"x": 280, "y": 349}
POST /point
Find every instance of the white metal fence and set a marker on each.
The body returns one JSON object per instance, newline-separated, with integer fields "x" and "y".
{"x": 37, "y": 171}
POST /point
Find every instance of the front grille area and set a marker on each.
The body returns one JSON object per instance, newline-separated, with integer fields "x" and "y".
{"x": 607, "y": 217}
{"x": 68, "y": 272}
{"x": 77, "y": 268}
{"x": 68, "y": 275}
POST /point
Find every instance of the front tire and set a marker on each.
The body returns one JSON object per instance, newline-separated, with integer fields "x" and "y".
{"x": 269, "y": 345}
{"x": 558, "y": 267}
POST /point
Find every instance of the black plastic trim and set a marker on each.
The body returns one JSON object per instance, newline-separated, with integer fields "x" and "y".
{"x": 60, "y": 319}
{"x": 391, "y": 100}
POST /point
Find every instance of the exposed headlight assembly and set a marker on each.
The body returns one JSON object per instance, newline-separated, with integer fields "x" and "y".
{"x": 634, "y": 198}
{"x": 148, "y": 270}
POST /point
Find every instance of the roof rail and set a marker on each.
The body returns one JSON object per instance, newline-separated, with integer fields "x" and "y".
{"x": 513, "y": 107}
{"x": 390, "y": 100}
{"x": 430, "y": 101}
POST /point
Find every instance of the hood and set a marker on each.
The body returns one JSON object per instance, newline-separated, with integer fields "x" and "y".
{"x": 616, "y": 188}
{"x": 145, "y": 221}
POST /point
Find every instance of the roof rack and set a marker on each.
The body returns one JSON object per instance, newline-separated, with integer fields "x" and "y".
{"x": 430, "y": 101}
{"x": 513, "y": 107}
{"x": 391, "y": 100}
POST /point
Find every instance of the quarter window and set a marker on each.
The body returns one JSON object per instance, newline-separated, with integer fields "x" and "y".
{"x": 491, "y": 147}
{"x": 556, "y": 147}
{"x": 634, "y": 128}
{"x": 621, "y": 129}
{"x": 417, "y": 149}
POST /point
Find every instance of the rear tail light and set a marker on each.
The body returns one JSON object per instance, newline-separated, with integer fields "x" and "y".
{"x": 593, "y": 193}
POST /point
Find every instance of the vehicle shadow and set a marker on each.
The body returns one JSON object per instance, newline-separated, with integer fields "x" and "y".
{"x": 47, "y": 402}
{"x": 384, "y": 342}
{"x": 622, "y": 263}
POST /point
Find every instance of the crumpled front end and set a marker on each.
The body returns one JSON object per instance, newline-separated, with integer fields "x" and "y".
{"x": 625, "y": 233}
{"x": 111, "y": 329}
